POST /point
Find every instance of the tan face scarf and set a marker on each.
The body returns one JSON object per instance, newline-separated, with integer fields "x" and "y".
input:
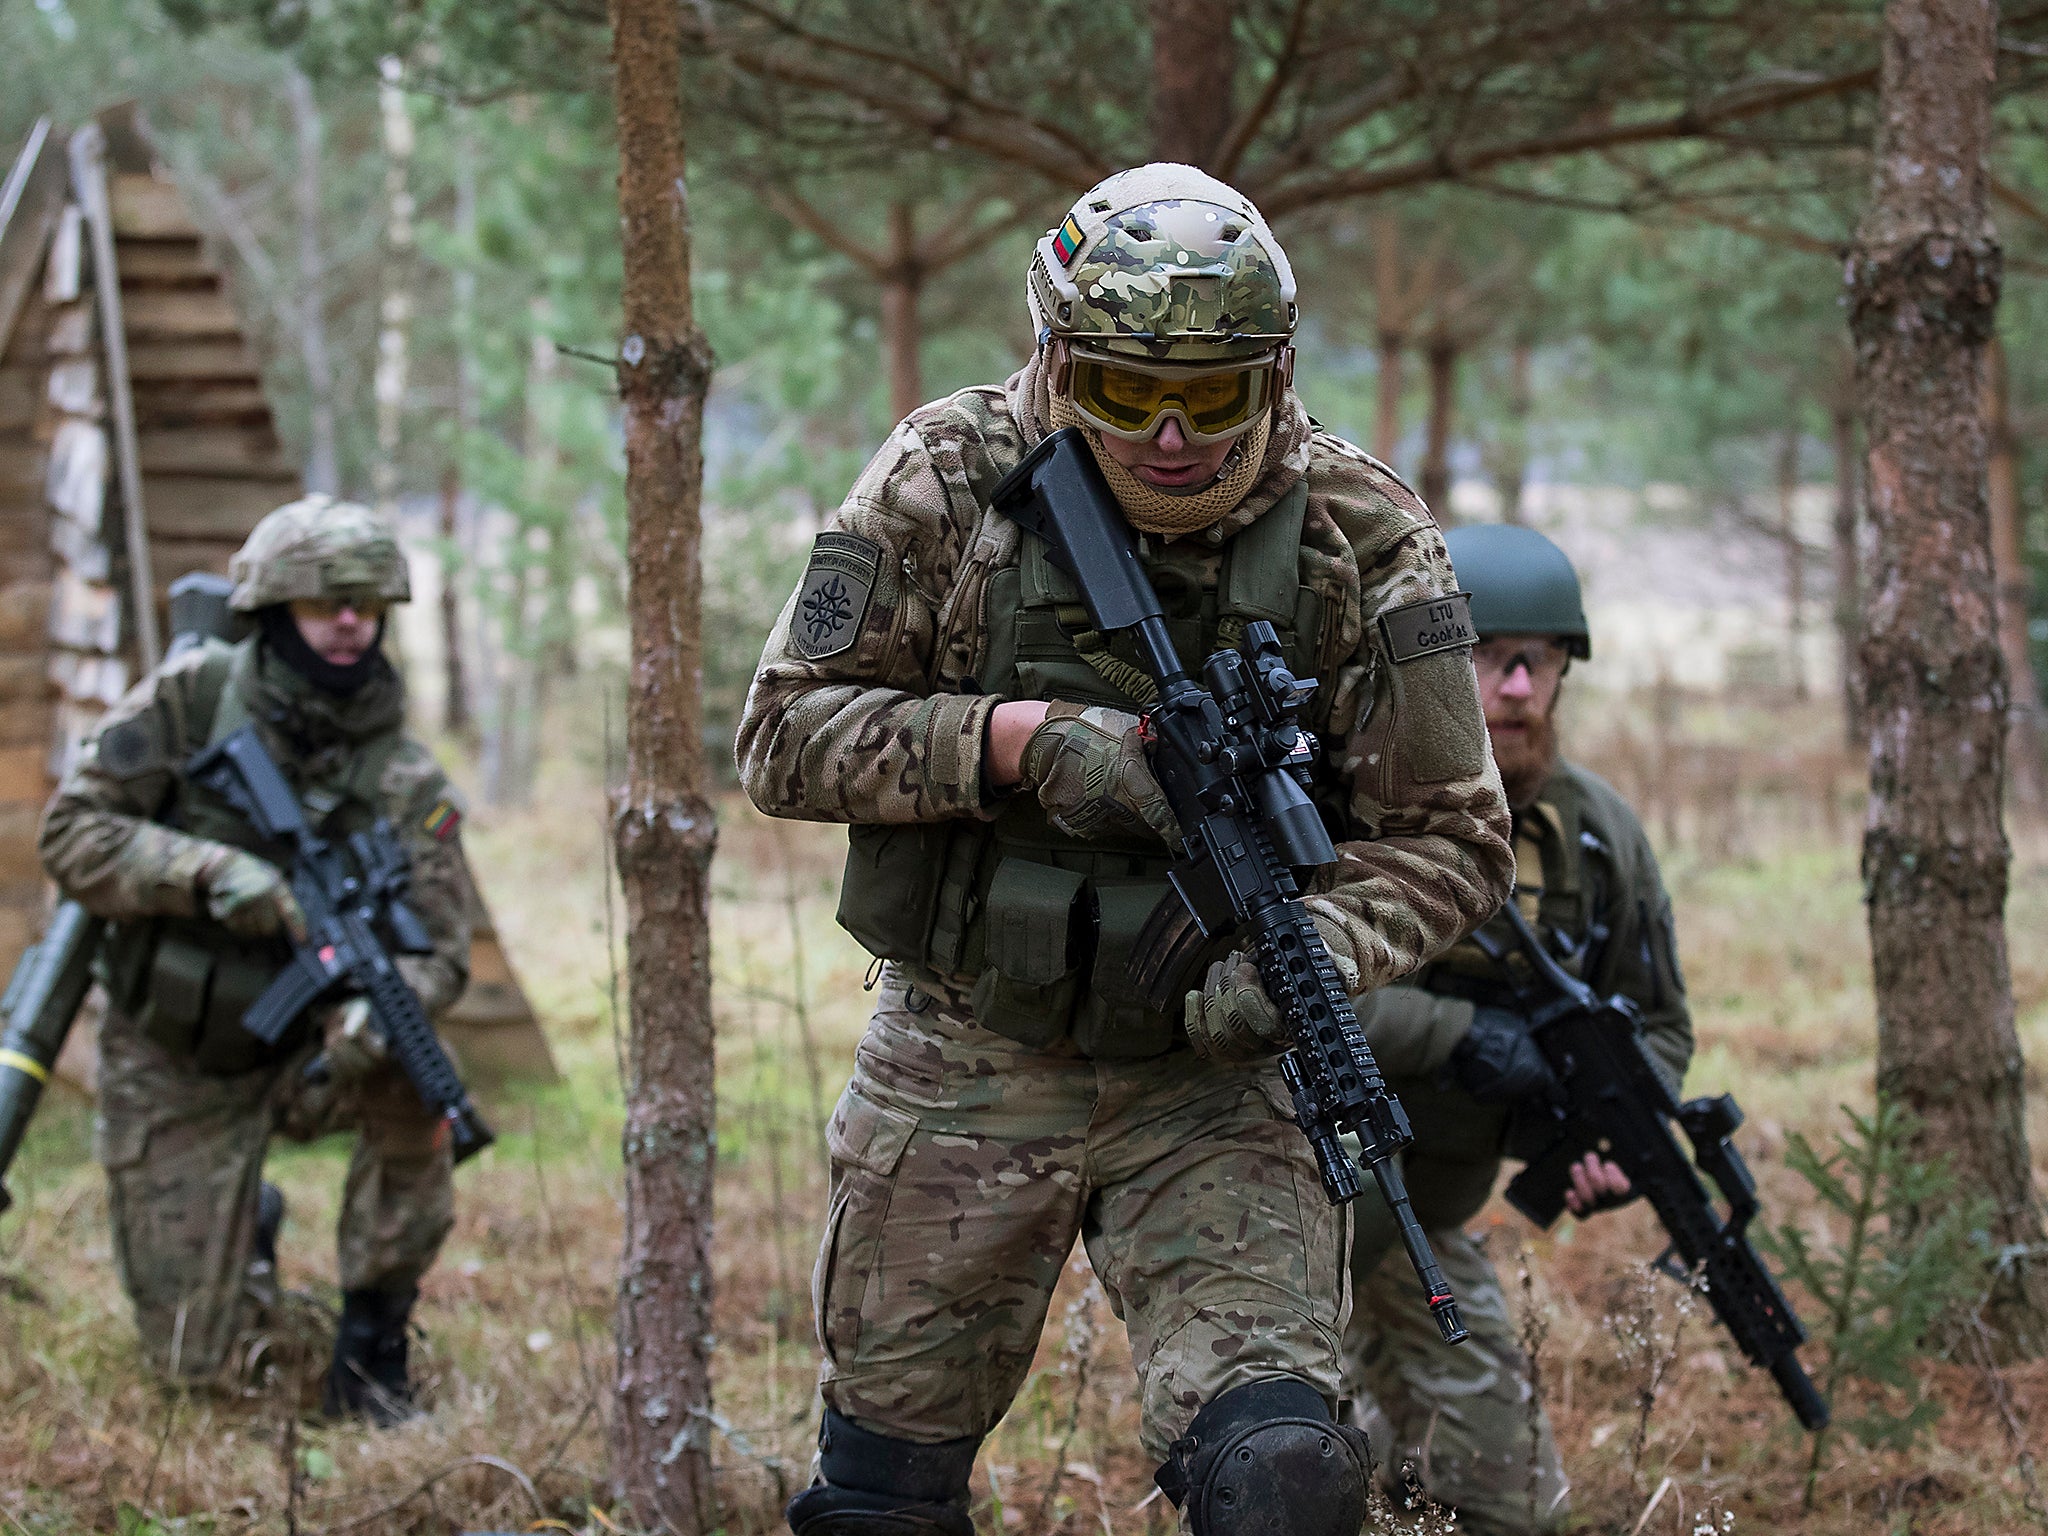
{"x": 1152, "y": 510}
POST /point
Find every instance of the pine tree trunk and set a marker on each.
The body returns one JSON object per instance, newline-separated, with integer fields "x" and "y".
{"x": 1441, "y": 355}
{"x": 1848, "y": 580}
{"x": 1923, "y": 287}
{"x": 1511, "y": 476}
{"x": 394, "y": 327}
{"x": 902, "y": 286}
{"x": 1795, "y": 561}
{"x": 2023, "y": 741}
{"x": 1194, "y": 65}
{"x": 455, "y": 716}
{"x": 323, "y": 457}
{"x": 1386, "y": 411}
{"x": 663, "y": 825}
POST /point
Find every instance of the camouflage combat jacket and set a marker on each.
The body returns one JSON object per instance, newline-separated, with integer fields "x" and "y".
{"x": 1588, "y": 880}
{"x": 126, "y": 834}
{"x": 922, "y": 610}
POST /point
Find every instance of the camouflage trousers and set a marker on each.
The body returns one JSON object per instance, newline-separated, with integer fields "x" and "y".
{"x": 963, "y": 1168}
{"x": 1464, "y": 1417}
{"x": 184, "y": 1158}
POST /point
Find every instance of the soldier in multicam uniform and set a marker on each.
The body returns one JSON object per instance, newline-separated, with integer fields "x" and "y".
{"x": 934, "y": 683}
{"x": 1456, "y": 1049}
{"x": 202, "y": 919}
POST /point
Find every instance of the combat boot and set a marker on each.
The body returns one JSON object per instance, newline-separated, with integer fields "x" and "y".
{"x": 263, "y": 1251}
{"x": 368, "y": 1378}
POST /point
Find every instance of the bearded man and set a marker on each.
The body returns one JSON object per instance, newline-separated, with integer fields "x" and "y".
{"x": 1463, "y": 1421}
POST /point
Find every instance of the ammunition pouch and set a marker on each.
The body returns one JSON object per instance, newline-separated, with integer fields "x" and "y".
{"x": 187, "y": 984}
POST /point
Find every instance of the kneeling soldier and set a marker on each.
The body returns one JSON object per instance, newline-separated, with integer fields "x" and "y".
{"x": 202, "y": 918}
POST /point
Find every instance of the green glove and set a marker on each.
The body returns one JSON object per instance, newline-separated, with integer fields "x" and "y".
{"x": 1232, "y": 1019}
{"x": 248, "y": 897}
{"x": 352, "y": 1045}
{"x": 1088, "y": 765}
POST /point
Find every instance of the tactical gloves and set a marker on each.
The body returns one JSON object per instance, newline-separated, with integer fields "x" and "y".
{"x": 248, "y": 896}
{"x": 1497, "y": 1062}
{"x": 1088, "y": 766}
{"x": 1232, "y": 1019}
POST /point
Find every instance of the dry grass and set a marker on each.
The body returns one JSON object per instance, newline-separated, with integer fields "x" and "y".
{"x": 516, "y": 1316}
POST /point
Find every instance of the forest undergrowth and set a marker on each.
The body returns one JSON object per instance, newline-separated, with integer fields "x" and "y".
{"x": 1664, "y": 1428}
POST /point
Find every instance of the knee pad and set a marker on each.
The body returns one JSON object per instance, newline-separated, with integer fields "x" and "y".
{"x": 876, "y": 1485}
{"x": 1266, "y": 1460}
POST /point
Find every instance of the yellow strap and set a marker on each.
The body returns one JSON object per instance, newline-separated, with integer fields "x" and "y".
{"x": 25, "y": 1064}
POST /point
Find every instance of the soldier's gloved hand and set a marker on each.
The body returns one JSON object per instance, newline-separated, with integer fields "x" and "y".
{"x": 1232, "y": 1019}
{"x": 248, "y": 896}
{"x": 353, "y": 1047}
{"x": 1497, "y": 1062}
{"x": 1088, "y": 766}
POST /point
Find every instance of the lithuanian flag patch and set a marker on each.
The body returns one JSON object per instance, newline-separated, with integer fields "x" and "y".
{"x": 442, "y": 822}
{"x": 1067, "y": 241}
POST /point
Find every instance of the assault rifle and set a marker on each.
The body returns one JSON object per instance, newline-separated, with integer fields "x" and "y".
{"x": 344, "y": 909}
{"x": 54, "y": 973}
{"x": 1233, "y": 759}
{"x": 1611, "y": 1099}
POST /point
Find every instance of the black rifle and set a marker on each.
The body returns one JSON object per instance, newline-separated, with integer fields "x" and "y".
{"x": 54, "y": 973}
{"x": 1233, "y": 760}
{"x": 344, "y": 907}
{"x": 1613, "y": 1101}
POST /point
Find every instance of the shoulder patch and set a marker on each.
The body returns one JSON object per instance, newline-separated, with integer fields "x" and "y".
{"x": 1423, "y": 628}
{"x": 132, "y": 747}
{"x": 443, "y": 821}
{"x": 832, "y": 602}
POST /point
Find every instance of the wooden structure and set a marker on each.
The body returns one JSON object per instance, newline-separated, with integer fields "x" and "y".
{"x": 115, "y": 481}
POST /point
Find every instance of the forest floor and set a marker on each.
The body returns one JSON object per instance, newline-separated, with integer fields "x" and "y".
{"x": 1663, "y": 1426}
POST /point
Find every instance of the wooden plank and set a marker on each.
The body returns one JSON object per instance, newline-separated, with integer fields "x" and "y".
{"x": 25, "y": 614}
{"x": 76, "y": 480}
{"x": 80, "y": 550}
{"x": 22, "y": 676}
{"x": 74, "y": 387}
{"x": 21, "y": 473}
{"x": 64, "y": 267}
{"x": 24, "y": 773}
{"x": 20, "y": 400}
{"x": 72, "y": 330}
{"x": 225, "y": 360}
{"x": 165, "y": 264}
{"x": 179, "y": 314}
{"x": 34, "y": 194}
{"x": 175, "y": 557}
{"x": 235, "y": 453}
{"x": 86, "y": 616}
{"x": 19, "y": 866}
{"x": 161, "y": 405}
{"x": 147, "y": 209}
{"x": 217, "y": 510}
{"x": 25, "y": 723}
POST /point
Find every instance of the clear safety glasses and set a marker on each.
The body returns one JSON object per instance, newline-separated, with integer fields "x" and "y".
{"x": 1501, "y": 657}
{"x": 1131, "y": 402}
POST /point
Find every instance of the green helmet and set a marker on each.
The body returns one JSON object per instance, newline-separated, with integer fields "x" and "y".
{"x": 318, "y": 547}
{"x": 1521, "y": 584}
{"x": 1164, "y": 263}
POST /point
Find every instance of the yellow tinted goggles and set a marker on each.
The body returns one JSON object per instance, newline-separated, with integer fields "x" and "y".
{"x": 1131, "y": 402}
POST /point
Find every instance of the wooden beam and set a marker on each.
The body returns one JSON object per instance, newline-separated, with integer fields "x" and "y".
{"x": 205, "y": 508}
{"x": 235, "y": 453}
{"x": 89, "y": 185}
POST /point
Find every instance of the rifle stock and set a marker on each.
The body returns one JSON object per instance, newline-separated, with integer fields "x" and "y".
{"x": 1232, "y": 758}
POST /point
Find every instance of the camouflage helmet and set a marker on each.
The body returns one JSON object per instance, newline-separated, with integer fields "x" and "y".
{"x": 1164, "y": 263}
{"x": 318, "y": 546}
{"x": 1521, "y": 584}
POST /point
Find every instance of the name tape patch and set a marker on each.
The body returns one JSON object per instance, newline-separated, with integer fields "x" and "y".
{"x": 833, "y": 600}
{"x": 1434, "y": 624}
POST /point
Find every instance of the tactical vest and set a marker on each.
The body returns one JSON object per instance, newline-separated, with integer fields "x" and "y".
{"x": 1563, "y": 882}
{"x": 188, "y": 981}
{"x": 1041, "y": 925}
